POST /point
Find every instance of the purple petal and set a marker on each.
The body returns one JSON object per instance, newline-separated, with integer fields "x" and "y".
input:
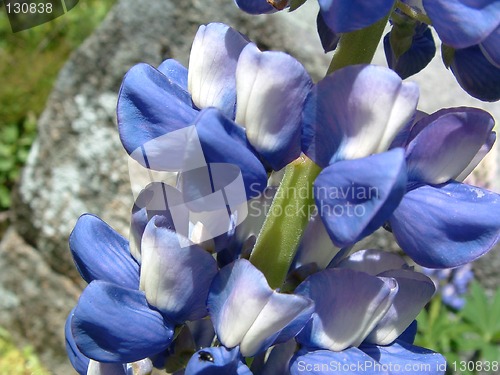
{"x": 447, "y": 144}
{"x": 175, "y": 276}
{"x": 475, "y": 74}
{"x": 416, "y": 58}
{"x": 485, "y": 148}
{"x": 100, "y": 253}
{"x": 373, "y": 262}
{"x": 255, "y": 6}
{"x": 348, "y": 305}
{"x": 278, "y": 360}
{"x": 115, "y": 324}
{"x": 175, "y": 72}
{"x": 345, "y": 16}
{"x": 271, "y": 88}
{"x": 321, "y": 362}
{"x": 212, "y": 67}
{"x": 329, "y": 39}
{"x": 216, "y": 361}
{"x": 247, "y": 312}
{"x": 462, "y": 23}
{"x": 223, "y": 141}
{"x": 355, "y": 112}
{"x": 447, "y": 226}
{"x": 355, "y": 197}
{"x": 414, "y": 291}
{"x": 149, "y": 106}
{"x": 413, "y": 359}
{"x": 489, "y": 46}
{"x": 79, "y": 362}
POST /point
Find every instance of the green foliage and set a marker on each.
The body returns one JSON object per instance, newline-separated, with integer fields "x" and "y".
{"x": 29, "y": 63}
{"x": 469, "y": 338}
{"x": 14, "y": 361}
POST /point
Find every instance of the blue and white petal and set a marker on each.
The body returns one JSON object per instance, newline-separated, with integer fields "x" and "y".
{"x": 100, "y": 253}
{"x": 217, "y": 361}
{"x": 355, "y": 197}
{"x": 150, "y": 105}
{"x": 409, "y": 359}
{"x": 447, "y": 144}
{"x": 175, "y": 275}
{"x": 348, "y": 305}
{"x": 247, "y": 312}
{"x": 212, "y": 67}
{"x": 175, "y": 72}
{"x": 448, "y": 225}
{"x": 414, "y": 291}
{"x": 322, "y": 362}
{"x": 345, "y": 16}
{"x": 373, "y": 262}
{"x": 476, "y": 74}
{"x": 452, "y": 20}
{"x": 271, "y": 88}
{"x": 485, "y": 148}
{"x": 115, "y": 324}
{"x": 355, "y": 112}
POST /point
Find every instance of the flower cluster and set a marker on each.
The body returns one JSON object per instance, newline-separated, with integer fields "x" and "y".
{"x": 470, "y": 33}
{"x": 185, "y": 292}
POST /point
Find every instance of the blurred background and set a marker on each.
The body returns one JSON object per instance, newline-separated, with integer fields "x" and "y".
{"x": 58, "y": 89}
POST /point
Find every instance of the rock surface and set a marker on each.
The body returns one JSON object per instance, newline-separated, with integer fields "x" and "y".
{"x": 77, "y": 163}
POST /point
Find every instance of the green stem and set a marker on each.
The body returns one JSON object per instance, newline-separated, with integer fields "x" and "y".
{"x": 288, "y": 215}
{"x": 290, "y": 211}
{"x": 366, "y": 40}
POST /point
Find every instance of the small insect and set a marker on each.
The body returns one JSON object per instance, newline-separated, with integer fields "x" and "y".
{"x": 278, "y": 4}
{"x": 205, "y": 357}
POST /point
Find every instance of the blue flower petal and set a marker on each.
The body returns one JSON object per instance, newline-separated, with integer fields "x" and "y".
{"x": 271, "y": 88}
{"x": 462, "y": 23}
{"x": 176, "y": 72}
{"x": 489, "y": 46}
{"x": 404, "y": 358}
{"x": 99, "y": 368}
{"x": 355, "y": 197}
{"x": 222, "y": 141}
{"x": 175, "y": 275}
{"x": 409, "y": 333}
{"x": 485, "y": 148}
{"x": 100, "y": 253}
{"x": 255, "y": 6}
{"x": 447, "y": 142}
{"x": 373, "y": 262}
{"x": 322, "y": 362}
{"x": 355, "y": 112}
{"x": 475, "y": 74}
{"x": 414, "y": 292}
{"x": 115, "y": 324}
{"x": 149, "y": 106}
{"x": 247, "y": 312}
{"x": 216, "y": 361}
{"x": 329, "y": 39}
{"x": 78, "y": 360}
{"x": 348, "y": 305}
{"x": 212, "y": 66}
{"x": 448, "y": 225}
{"x": 344, "y": 16}
{"x": 420, "y": 54}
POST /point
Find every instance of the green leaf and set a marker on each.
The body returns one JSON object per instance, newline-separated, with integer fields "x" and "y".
{"x": 296, "y": 4}
{"x": 447, "y": 53}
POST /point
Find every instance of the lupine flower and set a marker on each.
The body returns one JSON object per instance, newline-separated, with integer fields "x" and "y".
{"x": 470, "y": 33}
{"x": 341, "y": 16}
{"x": 348, "y": 116}
{"x": 457, "y": 220}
